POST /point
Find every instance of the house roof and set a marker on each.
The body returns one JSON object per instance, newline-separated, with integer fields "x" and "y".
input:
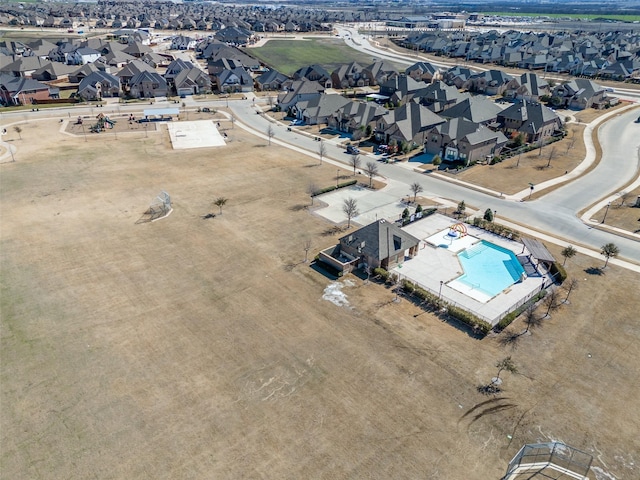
{"x": 475, "y": 109}
{"x": 380, "y": 240}
{"x": 98, "y": 76}
{"x": 322, "y": 105}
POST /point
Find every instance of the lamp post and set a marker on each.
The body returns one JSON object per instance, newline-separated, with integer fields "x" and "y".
{"x": 605, "y": 212}
{"x": 530, "y": 190}
{"x": 337, "y": 177}
{"x": 440, "y": 291}
{"x": 495, "y": 214}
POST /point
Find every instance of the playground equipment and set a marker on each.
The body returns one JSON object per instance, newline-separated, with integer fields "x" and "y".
{"x": 103, "y": 123}
{"x": 457, "y": 230}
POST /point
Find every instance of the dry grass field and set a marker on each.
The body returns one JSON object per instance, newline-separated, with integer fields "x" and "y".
{"x": 192, "y": 348}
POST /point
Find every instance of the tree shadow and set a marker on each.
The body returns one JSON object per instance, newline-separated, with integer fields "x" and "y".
{"x": 298, "y": 207}
{"x": 489, "y": 389}
{"x": 331, "y": 231}
{"x": 510, "y": 338}
{"x": 594, "y": 271}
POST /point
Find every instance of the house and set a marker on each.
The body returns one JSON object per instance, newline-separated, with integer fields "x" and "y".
{"x": 78, "y": 74}
{"x": 130, "y": 70}
{"x": 527, "y": 86}
{"x": 156, "y": 60}
{"x": 580, "y": 93}
{"x": 349, "y": 75}
{"x": 458, "y": 76}
{"x": 82, "y": 56}
{"x": 490, "y": 82}
{"x": 24, "y": 66}
{"x": 235, "y": 36}
{"x": 137, "y": 49}
{"x": 407, "y": 124}
{"x": 397, "y": 88}
{"x": 147, "y": 85}
{"x": 438, "y": 96}
{"x": 23, "y": 91}
{"x": 356, "y": 118}
{"x": 315, "y": 73}
{"x": 318, "y": 108}
{"x": 478, "y": 109}
{"x": 192, "y": 81}
{"x": 174, "y": 68}
{"x": 299, "y": 90}
{"x": 236, "y": 80}
{"x": 424, "y": 71}
{"x": 270, "y": 80}
{"x": 462, "y": 140}
{"x": 98, "y": 85}
{"x": 379, "y": 72}
{"x": 532, "y": 119}
{"x": 183, "y": 42}
{"x": 53, "y": 71}
{"x": 379, "y": 244}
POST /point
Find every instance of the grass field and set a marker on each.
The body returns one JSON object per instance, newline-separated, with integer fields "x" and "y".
{"x": 584, "y": 16}
{"x": 287, "y": 56}
{"x": 192, "y": 348}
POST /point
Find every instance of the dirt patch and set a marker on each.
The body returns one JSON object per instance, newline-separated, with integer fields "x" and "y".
{"x": 622, "y": 213}
{"x": 203, "y": 348}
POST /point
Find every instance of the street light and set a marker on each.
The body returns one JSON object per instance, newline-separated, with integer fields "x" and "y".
{"x": 337, "y": 177}
{"x": 530, "y": 190}
{"x": 440, "y": 291}
{"x": 605, "y": 212}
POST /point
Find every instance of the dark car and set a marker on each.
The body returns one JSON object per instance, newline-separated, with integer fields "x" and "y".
{"x": 352, "y": 150}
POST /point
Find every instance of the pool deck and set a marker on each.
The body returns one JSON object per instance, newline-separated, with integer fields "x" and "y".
{"x": 435, "y": 264}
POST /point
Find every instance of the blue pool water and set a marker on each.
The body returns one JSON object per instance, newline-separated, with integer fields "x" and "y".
{"x": 489, "y": 268}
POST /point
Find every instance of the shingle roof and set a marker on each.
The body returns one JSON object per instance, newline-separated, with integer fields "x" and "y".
{"x": 380, "y": 239}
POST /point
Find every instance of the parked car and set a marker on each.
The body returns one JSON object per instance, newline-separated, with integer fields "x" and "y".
{"x": 296, "y": 122}
{"x": 352, "y": 150}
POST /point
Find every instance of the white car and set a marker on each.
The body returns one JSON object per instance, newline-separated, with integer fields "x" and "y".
{"x": 296, "y": 122}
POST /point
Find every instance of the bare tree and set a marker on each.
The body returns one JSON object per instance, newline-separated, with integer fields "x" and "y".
{"x": 18, "y": 130}
{"x": 312, "y": 188}
{"x": 354, "y": 161}
{"x": 568, "y": 252}
{"x": 624, "y": 196}
{"x": 504, "y": 365}
{"x": 551, "y": 301}
{"x": 416, "y": 188}
{"x": 350, "y": 209}
{"x": 573, "y": 140}
{"x": 271, "y": 101}
{"x": 572, "y": 285}
{"x": 220, "y": 202}
{"x": 270, "y": 133}
{"x": 552, "y": 153}
{"x": 307, "y": 247}
{"x": 322, "y": 150}
{"x": 531, "y": 318}
{"x": 372, "y": 171}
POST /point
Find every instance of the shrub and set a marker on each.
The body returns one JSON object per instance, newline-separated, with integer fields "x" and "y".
{"x": 381, "y": 273}
{"x": 469, "y": 319}
{"x": 558, "y": 272}
{"x": 408, "y": 287}
{"x": 418, "y": 208}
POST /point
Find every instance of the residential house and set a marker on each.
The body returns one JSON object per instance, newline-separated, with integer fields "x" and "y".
{"x": 379, "y": 72}
{"x": 270, "y": 80}
{"x": 355, "y": 118}
{"x": 299, "y": 90}
{"x": 23, "y": 91}
{"x": 235, "y": 36}
{"x": 315, "y": 73}
{"x": 348, "y": 75}
{"x": 53, "y": 71}
{"x": 399, "y": 87}
{"x": 98, "y": 85}
{"x": 130, "y": 70}
{"x": 490, "y": 82}
{"x": 463, "y": 140}
{"x": 379, "y": 244}
{"x": 137, "y": 49}
{"x": 406, "y": 124}
{"x": 527, "y": 86}
{"x": 534, "y": 120}
{"x": 478, "y": 109}
{"x": 439, "y": 96}
{"x": 175, "y": 67}
{"x": 147, "y": 85}
{"x": 236, "y": 80}
{"x": 156, "y": 60}
{"x": 319, "y": 108}
{"x": 458, "y": 76}
{"x": 580, "y": 93}
{"x": 84, "y": 71}
{"x": 82, "y": 56}
{"x": 183, "y": 42}
{"x": 424, "y": 71}
{"x": 24, "y": 66}
{"x": 192, "y": 82}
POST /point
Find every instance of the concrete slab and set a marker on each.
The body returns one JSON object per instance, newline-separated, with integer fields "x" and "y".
{"x": 195, "y": 134}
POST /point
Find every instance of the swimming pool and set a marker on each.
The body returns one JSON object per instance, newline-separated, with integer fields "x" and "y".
{"x": 489, "y": 268}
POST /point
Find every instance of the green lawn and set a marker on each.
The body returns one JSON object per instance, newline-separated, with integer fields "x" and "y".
{"x": 585, "y": 16}
{"x": 287, "y": 56}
